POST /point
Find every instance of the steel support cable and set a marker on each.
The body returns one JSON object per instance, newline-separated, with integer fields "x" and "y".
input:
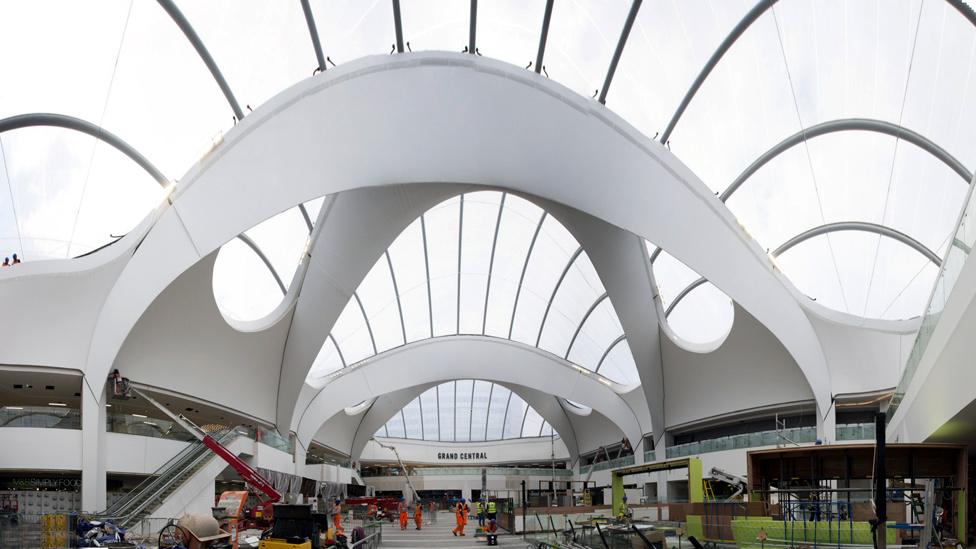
{"x": 543, "y": 37}
{"x": 858, "y": 226}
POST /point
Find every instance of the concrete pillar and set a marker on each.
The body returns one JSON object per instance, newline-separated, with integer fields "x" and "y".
{"x": 93, "y": 445}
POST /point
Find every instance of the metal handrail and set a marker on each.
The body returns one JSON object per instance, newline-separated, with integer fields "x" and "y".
{"x": 155, "y": 494}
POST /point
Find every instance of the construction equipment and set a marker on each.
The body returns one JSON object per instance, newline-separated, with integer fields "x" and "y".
{"x": 737, "y": 483}
{"x": 246, "y": 472}
{"x": 406, "y": 475}
{"x": 294, "y": 527}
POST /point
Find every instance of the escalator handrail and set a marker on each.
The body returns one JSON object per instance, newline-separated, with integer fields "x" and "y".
{"x": 225, "y": 438}
{"x": 148, "y": 486}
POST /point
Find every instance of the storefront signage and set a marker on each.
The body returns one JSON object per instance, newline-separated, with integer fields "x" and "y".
{"x": 462, "y": 456}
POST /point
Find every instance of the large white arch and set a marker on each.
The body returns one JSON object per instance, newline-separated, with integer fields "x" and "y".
{"x": 466, "y": 357}
{"x": 388, "y": 405}
{"x": 484, "y": 122}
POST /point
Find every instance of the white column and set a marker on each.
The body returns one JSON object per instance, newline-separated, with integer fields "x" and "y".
{"x": 93, "y": 443}
{"x": 660, "y": 453}
{"x": 300, "y": 455}
{"x": 827, "y": 426}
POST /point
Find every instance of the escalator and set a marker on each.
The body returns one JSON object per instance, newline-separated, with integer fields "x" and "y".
{"x": 150, "y": 494}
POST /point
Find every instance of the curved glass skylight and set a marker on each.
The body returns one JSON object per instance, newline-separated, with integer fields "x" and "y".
{"x": 799, "y": 64}
{"x": 466, "y": 411}
{"x": 485, "y": 263}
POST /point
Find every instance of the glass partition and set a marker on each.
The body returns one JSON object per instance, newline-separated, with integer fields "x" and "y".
{"x": 797, "y": 435}
{"x": 140, "y": 425}
{"x": 952, "y": 265}
{"x": 54, "y": 417}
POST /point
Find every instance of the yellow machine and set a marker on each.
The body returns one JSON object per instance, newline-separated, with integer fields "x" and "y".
{"x": 283, "y": 544}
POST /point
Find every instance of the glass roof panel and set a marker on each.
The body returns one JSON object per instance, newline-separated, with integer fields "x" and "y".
{"x": 485, "y": 411}
{"x": 705, "y": 315}
{"x": 261, "y": 47}
{"x": 243, "y": 287}
{"x": 582, "y": 37}
{"x": 409, "y": 268}
{"x": 509, "y": 29}
{"x": 477, "y": 239}
{"x": 517, "y": 408}
{"x": 580, "y": 288}
{"x": 428, "y": 404}
{"x": 596, "y": 336}
{"x": 619, "y": 364}
{"x": 413, "y": 420}
{"x": 461, "y": 234}
{"x": 352, "y": 334}
{"x": 483, "y": 392}
{"x": 516, "y": 227}
{"x": 380, "y": 303}
{"x": 445, "y": 399}
{"x": 443, "y": 221}
{"x": 350, "y": 29}
{"x": 435, "y": 24}
{"x": 463, "y": 404}
{"x": 668, "y": 45}
{"x": 532, "y": 424}
{"x": 500, "y": 397}
{"x": 326, "y": 362}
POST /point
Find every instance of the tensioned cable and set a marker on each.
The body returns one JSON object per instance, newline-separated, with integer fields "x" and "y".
{"x": 10, "y": 191}
{"x": 806, "y": 148}
{"x": 894, "y": 156}
{"x": 911, "y": 280}
{"x": 101, "y": 120}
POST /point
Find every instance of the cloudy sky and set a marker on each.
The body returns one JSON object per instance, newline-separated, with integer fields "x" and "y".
{"x": 125, "y": 66}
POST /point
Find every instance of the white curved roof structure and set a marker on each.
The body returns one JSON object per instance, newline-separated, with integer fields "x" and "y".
{"x": 358, "y": 219}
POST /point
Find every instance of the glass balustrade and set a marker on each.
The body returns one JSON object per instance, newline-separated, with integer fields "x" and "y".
{"x": 952, "y": 265}
{"x": 53, "y": 417}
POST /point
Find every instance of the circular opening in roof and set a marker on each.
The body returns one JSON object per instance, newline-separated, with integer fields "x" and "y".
{"x": 252, "y": 272}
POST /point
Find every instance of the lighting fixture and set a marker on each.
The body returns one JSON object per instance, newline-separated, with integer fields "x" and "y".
{"x": 56, "y": 404}
{"x": 13, "y": 407}
{"x": 139, "y": 416}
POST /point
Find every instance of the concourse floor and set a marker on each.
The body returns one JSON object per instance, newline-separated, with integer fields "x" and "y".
{"x": 439, "y": 535}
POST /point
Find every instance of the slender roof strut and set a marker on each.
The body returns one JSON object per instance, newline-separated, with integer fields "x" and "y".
{"x": 473, "y": 27}
{"x": 840, "y": 226}
{"x": 543, "y": 36}
{"x": 843, "y": 125}
{"x": 555, "y": 290}
{"x": 849, "y": 124}
{"x": 314, "y": 34}
{"x": 191, "y": 35}
{"x": 398, "y": 26}
{"x": 624, "y": 34}
{"x": 737, "y": 31}
{"x": 71, "y": 123}
{"x": 267, "y": 263}
{"x": 53, "y": 120}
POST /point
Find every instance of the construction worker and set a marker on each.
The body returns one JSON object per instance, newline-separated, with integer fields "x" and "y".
{"x": 402, "y": 510}
{"x": 337, "y": 516}
{"x": 418, "y": 514}
{"x": 461, "y": 516}
{"x": 371, "y": 510}
{"x": 492, "y": 510}
{"x": 479, "y": 508}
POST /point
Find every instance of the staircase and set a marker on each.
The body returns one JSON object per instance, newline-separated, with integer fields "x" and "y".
{"x": 150, "y": 494}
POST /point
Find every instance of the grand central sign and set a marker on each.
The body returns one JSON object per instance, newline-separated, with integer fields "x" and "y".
{"x": 462, "y": 456}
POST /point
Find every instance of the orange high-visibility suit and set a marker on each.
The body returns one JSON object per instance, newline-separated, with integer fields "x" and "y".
{"x": 418, "y": 515}
{"x": 461, "y": 516}
{"x": 402, "y": 507}
{"x": 337, "y": 518}
{"x": 371, "y": 510}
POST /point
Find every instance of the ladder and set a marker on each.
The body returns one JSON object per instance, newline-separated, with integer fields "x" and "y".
{"x": 709, "y": 491}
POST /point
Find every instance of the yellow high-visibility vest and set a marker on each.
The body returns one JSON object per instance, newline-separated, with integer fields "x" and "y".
{"x": 491, "y": 506}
